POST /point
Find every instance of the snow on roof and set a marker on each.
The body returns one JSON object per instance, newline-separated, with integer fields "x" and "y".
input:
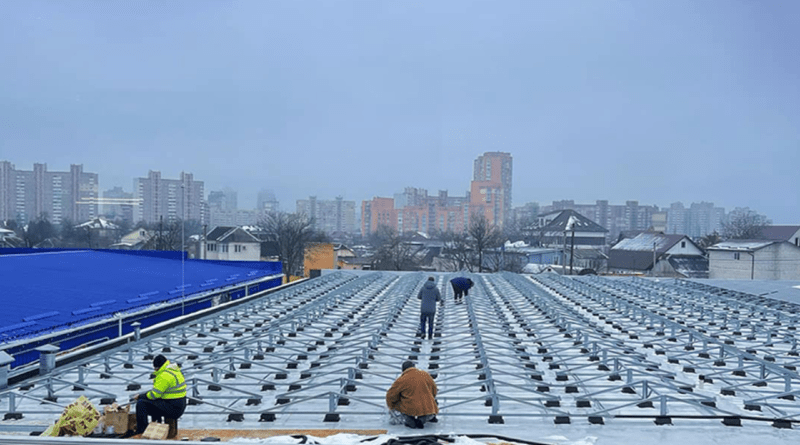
{"x": 741, "y": 245}
{"x": 643, "y": 242}
{"x": 516, "y": 244}
{"x": 572, "y": 220}
{"x": 783, "y": 290}
{"x": 690, "y": 266}
{"x": 98, "y": 223}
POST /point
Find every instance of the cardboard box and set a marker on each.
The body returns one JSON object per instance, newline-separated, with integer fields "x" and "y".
{"x": 156, "y": 431}
{"x": 120, "y": 418}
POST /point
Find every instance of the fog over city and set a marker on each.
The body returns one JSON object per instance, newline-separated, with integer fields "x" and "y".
{"x": 650, "y": 101}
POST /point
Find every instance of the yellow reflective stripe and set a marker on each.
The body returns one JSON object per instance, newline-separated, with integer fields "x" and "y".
{"x": 179, "y": 388}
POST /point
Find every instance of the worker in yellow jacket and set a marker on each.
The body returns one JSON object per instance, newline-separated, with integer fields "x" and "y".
{"x": 167, "y": 399}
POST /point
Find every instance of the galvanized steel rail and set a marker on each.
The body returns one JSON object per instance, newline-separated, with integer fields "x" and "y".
{"x": 570, "y": 349}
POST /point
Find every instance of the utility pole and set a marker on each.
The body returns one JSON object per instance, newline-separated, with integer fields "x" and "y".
{"x": 564, "y": 255}
{"x": 161, "y": 232}
{"x": 653, "y": 270}
{"x": 205, "y": 229}
{"x": 572, "y": 250}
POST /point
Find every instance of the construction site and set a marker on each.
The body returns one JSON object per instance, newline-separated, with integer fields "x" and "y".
{"x": 524, "y": 359}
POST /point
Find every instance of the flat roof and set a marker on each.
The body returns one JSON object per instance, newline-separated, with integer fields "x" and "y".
{"x": 48, "y": 291}
{"x": 543, "y": 358}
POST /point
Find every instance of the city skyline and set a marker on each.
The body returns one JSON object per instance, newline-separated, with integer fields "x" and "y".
{"x": 654, "y": 102}
{"x": 290, "y": 205}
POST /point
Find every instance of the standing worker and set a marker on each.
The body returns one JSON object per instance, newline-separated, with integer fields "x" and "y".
{"x": 166, "y": 399}
{"x": 429, "y": 294}
{"x": 461, "y": 287}
{"x": 412, "y": 397}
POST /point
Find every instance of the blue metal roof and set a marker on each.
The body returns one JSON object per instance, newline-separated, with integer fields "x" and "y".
{"x": 50, "y": 290}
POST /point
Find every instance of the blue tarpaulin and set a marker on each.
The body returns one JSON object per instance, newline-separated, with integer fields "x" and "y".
{"x": 49, "y": 290}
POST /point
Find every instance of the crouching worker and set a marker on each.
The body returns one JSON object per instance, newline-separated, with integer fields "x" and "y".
{"x": 167, "y": 399}
{"x": 461, "y": 287}
{"x": 411, "y": 399}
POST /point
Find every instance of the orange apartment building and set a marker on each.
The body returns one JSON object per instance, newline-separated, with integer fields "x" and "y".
{"x": 490, "y": 189}
{"x": 490, "y": 193}
{"x": 421, "y": 218}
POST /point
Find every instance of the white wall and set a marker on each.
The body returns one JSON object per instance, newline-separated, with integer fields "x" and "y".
{"x": 228, "y": 251}
{"x": 684, "y": 247}
{"x": 779, "y": 261}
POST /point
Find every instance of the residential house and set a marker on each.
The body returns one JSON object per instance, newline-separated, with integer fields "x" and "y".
{"x": 232, "y": 244}
{"x": 318, "y": 256}
{"x": 134, "y": 240}
{"x": 582, "y": 240}
{"x": 9, "y": 238}
{"x": 567, "y": 228}
{"x": 754, "y": 260}
{"x": 354, "y": 263}
{"x": 99, "y": 232}
{"x": 782, "y": 233}
{"x": 658, "y": 254}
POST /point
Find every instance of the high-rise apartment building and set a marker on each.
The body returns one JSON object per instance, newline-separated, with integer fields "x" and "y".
{"x": 223, "y": 210}
{"x": 676, "y": 218}
{"x": 169, "y": 198}
{"x": 429, "y": 214}
{"x": 490, "y": 190}
{"x": 223, "y": 200}
{"x": 699, "y": 220}
{"x": 266, "y": 202}
{"x": 27, "y": 194}
{"x": 337, "y": 216}
{"x": 616, "y": 218}
{"x": 117, "y": 203}
{"x": 376, "y": 213}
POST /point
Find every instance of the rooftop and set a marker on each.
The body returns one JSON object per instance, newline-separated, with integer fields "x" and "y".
{"x": 543, "y": 358}
{"x": 55, "y": 289}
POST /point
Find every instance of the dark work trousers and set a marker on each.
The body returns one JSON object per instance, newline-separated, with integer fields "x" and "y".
{"x": 157, "y": 409}
{"x": 423, "y": 318}
{"x": 459, "y": 293}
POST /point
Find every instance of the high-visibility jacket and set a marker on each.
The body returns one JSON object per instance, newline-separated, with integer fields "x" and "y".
{"x": 169, "y": 383}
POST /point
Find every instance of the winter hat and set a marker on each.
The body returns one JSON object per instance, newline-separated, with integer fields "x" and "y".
{"x": 159, "y": 361}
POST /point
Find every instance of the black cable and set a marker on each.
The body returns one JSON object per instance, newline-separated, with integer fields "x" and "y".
{"x": 434, "y": 439}
{"x": 503, "y": 438}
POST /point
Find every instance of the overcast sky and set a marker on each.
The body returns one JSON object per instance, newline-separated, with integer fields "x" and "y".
{"x": 656, "y": 101}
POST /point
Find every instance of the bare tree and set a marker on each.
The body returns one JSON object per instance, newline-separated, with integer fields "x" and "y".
{"x": 744, "y": 224}
{"x": 393, "y": 251}
{"x": 498, "y": 259}
{"x": 170, "y": 235}
{"x": 483, "y": 236}
{"x": 37, "y": 232}
{"x": 166, "y": 236}
{"x": 292, "y": 232}
{"x": 709, "y": 240}
{"x": 457, "y": 251}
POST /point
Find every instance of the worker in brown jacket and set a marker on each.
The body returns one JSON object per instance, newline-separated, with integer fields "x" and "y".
{"x": 412, "y": 397}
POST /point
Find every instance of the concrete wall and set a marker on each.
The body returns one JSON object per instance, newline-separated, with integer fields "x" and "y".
{"x": 233, "y": 251}
{"x": 779, "y": 261}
